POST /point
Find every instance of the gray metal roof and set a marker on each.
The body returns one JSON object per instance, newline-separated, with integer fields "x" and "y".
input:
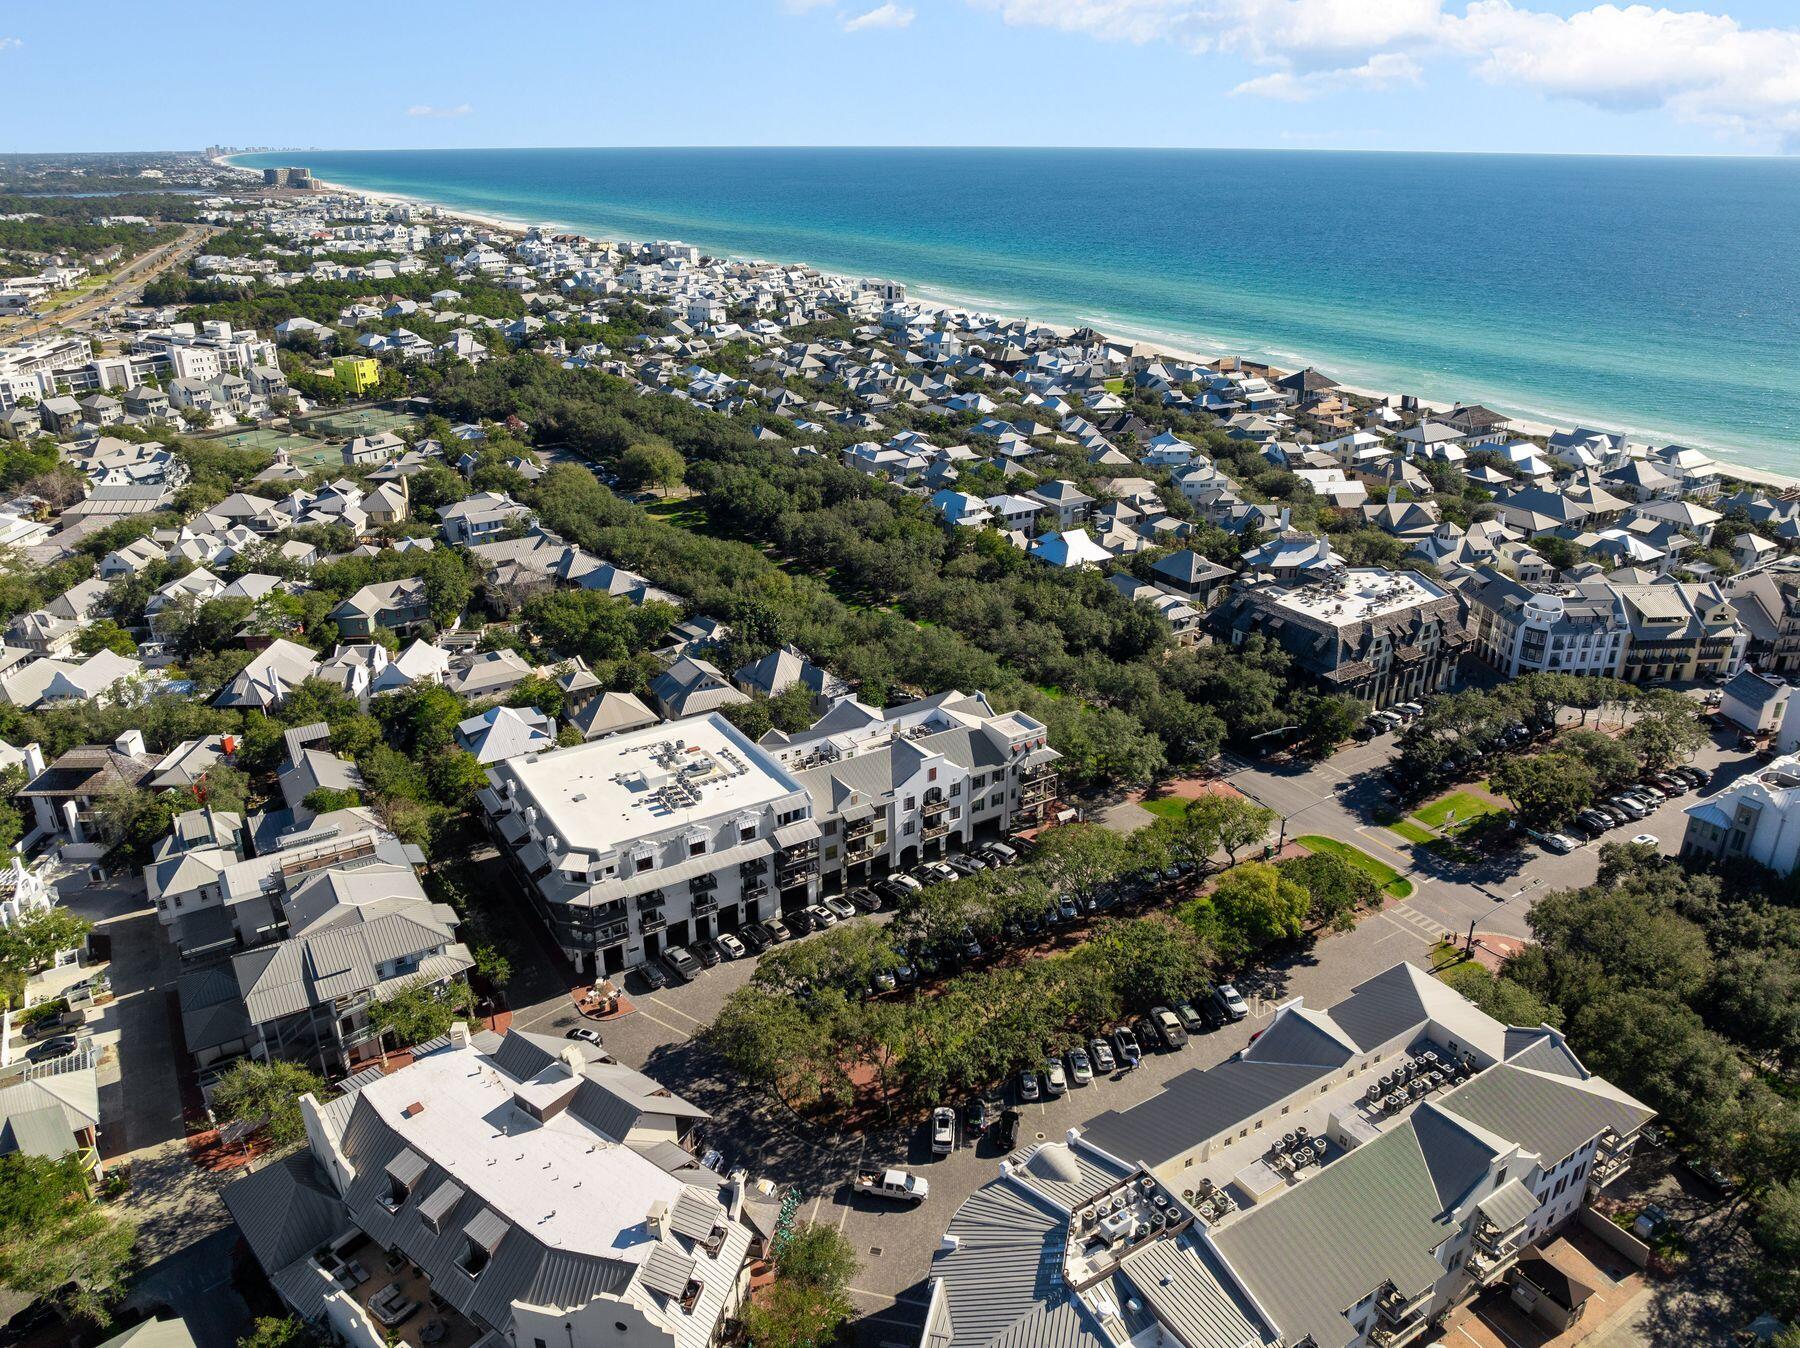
{"x": 406, "y": 1167}
{"x": 668, "y": 1270}
{"x": 1549, "y": 1114}
{"x": 439, "y": 1203}
{"x": 1195, "y": 1106}
{"x": 695, "y": 1215}
{"x": 486, "y": 1229}
{"x": 1006, "y": 1264}
{"x": 1509, "y": 1205}
{"x": 1315, "y": 1251}
{"x": 285, "y": 1210}
{"x": 1189, "y": 1296}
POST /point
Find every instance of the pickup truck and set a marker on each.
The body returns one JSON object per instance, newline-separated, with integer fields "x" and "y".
{"x": 900, "y": 1185}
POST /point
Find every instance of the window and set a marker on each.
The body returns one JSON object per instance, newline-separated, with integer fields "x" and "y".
{"x": 746, "y": 832}
{"x": 644, "y": 863}
{"x": 1500, "y": 1178}
{"x": 931, "y": 774}
{"x": 697, "y": 847}
{"x": 909, "y": 804}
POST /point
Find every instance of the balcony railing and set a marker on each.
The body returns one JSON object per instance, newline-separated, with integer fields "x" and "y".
{"x": 703, "y": 884}
{"x": 652, "y": 899}
{"x": 862, "y": 828}
{"x": 612, "y": 931}
{"x": 755, "y": 866}
{"x": 705, "y": 904}
{"x": 932, "y": 832}
{"x": 651, "y": 920}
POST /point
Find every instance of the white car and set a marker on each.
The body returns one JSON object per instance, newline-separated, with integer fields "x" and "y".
{"x": 1648, "y": 840}
{"x": 1560, "y": 843}
{"x": 943, "y": 1130}
{"x": 731, "y": 946}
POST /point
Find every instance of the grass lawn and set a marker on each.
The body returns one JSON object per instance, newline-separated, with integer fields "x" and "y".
{"x": 1413, "y": 833}
{"x": 1465, "y": 805}
{"x": 1392, "y": 883}
{"x": 1169, "y": 807}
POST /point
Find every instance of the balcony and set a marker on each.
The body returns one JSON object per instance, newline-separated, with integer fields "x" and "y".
{"x": 705, "y": 904}
{"x": 651, "y": 920}
{"x": 933, "y": 806}
{"x": 932, "y": 832}
{"x": 650, "y": 899}
{"x": 754, "y": 867}
{"x": 862, "y": 828}
{"x": 703, "y": 884}
{"x": 612, "y": 931}
{"x": 756, "y": 890}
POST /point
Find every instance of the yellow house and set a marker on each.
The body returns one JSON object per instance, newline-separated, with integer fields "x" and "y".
{"x": 359, "y": 374}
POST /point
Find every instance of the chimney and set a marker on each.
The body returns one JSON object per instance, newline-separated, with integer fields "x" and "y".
{"x": 459, "y": 1034}
{"x": 657, "y": 1219}
{"x": 131, "y": 744}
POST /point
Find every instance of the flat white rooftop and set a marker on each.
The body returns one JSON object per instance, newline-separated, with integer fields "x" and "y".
{"x": 645, "y": 782}
{"x": 1358, "y": 596}
{"x": 563, "y": 1181}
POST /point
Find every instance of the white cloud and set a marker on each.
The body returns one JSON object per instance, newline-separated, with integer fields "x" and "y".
{"x": 429, "y": 110}
{"x": 1696, "y": 65}
{"x": 7, "y": 43}
{"x": 889, "y": 15}
{"x": 1382, "y": 71}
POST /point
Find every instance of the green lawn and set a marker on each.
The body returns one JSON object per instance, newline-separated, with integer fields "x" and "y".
{"x": 1169, "y": 807}
{"x": 1413, "y": 833}
{"x": 1392, "y": 883}
{"x": 1465, "y": 805}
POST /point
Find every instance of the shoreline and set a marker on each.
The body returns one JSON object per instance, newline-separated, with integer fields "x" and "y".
{"x": 1528, "y": 423}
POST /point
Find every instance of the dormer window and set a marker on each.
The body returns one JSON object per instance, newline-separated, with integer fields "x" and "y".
{"x": 403, "y": 1172}
{"x": 481, "y": 1237}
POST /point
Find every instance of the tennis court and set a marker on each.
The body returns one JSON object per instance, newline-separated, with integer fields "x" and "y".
{"x": 268, "y": 441}
{"x": 362, "y": 421}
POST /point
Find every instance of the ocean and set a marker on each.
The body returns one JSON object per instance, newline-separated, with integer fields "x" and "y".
{"x": 1660, "y": 296}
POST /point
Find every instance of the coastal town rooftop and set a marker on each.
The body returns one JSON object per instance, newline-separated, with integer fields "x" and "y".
{"x": 1358, "y": 595}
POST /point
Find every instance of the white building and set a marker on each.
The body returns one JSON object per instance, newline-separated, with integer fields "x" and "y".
{"x": 655, "y": 838}
{"x": 532, "y": 1192}
{"x": 1757, "y": 816}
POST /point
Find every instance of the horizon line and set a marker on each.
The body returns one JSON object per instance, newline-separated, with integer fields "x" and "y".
{"x": 1109, "y": 149}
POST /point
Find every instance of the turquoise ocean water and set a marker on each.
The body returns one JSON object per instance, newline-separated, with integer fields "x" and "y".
{"x": 1658, "y": 296}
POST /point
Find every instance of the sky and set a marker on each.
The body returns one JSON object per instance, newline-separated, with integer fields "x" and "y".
{"x": 1704, "y": 77}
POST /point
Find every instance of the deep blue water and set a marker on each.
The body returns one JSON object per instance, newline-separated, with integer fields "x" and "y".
{"x": 1659, "y": 296}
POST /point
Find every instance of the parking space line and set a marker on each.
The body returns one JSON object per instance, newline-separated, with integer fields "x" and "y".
{"x": 673, "y": 1011}
{"x": 674, "y": 1029}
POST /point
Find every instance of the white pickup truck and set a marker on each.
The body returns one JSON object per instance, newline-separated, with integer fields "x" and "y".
{"x": 900, "y": 1185}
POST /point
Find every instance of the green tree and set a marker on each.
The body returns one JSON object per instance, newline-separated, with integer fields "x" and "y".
{"x": 418, "y": 1012}
{"x": 1546, "y": 790}
{"x": 1668, "y": 730}
{"x": 1234, "y": 822}
{"x": 652, "y": 465}
{"x": 1336, "y": 890}
{"x": 32, "y": 940}
{"x": 1079, "y": 860}
{"x": 288, "y": 1332}
{"x": 1254, "y": 905}
{"x": 1508, "y": 1002}
{"x": 56, "y": 1246}
{"x": 268, "y": 1092}
{"x": 1326, "y": 721}
{"x": 105, "y": 635}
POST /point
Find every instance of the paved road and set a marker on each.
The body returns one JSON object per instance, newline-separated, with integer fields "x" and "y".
{"x": 129, "y": 282}
{"x": 1343, "y": 797}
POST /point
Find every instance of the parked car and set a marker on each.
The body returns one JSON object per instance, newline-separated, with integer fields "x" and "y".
{"x": 840, "y": 908}
{"x": 891, "y": 890}
{"x": 1130, "y": 1052}
{"x": 1029, "y": 1089}
{"x": 731, "y": 947}
{"x": 1648, "y": 793}
{"x": 1696, "y": 777}
{"x": 1101, "y": 1053}
{"x": 778, "y": 930}
{"x": 1189, "y": 1018}
{"x": 683, "y": 965}
{"x": 943, "y": 1130}
{"x": 820, "y": 916}
{"x": 980, "y": 1114}
{"x": 1647, "y": 840}
{"x": 1630, "y": 808}
{"x": 1231, "y": 1001}
{"x": 884, "y": 980}
{"x": 756, "y": 938}
{"x": 1011, "y": 1122}
{"x": 1560, "y": 843}
{"x": 654, "y": 974}
{"x": 706, "y": 952}
{"x": 1056, "y": 1081}
{"x": 967, "y": 864}
{"x": 900, "y": 1185}
{"x": 60, "y": 1047}
{"x": 587, "y": 1034}
{"x": 865, "y": 900}
{"x": 1081, "y": 1071}
{"x": 1168, "y": 1027}
{"x": 1000, "y": 854}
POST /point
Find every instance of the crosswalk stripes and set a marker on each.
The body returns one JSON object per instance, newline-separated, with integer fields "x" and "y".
{"x": 1419, "y": 922}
